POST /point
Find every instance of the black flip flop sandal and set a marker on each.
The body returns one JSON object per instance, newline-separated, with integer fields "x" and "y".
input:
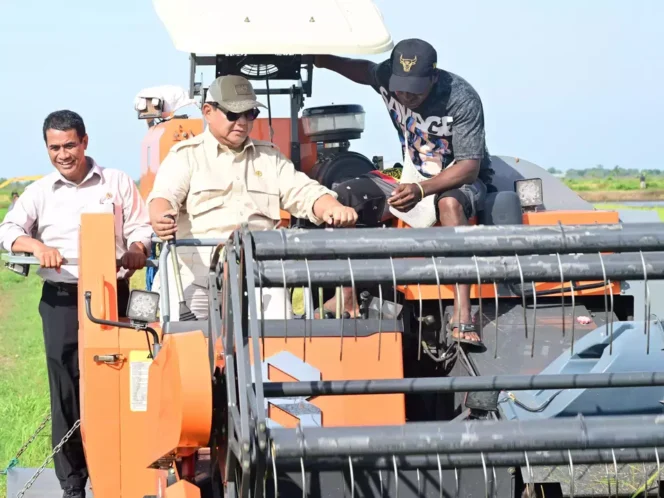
{"x": 463, "y": 329}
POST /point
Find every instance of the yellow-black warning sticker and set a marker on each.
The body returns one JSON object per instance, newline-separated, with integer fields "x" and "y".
{"x": 139, "y": 366}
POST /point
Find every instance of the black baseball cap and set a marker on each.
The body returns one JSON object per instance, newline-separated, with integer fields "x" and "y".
{"x": 413, "y": 65}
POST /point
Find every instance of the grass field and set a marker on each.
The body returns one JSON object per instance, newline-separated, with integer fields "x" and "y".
{"x": 610, "y": 183}
{"x": 23, "y": 377}
{"x": 616, "y": 189}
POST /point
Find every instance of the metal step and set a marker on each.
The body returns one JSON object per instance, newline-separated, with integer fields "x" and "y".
{"x": 46, "y": 485}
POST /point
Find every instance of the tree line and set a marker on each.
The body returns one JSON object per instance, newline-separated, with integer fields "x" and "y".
{"x": 600, "y": 171}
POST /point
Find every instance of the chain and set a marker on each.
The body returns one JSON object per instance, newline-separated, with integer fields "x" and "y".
{"x": 14, "y": 461}
{"x": 48, "y": 460}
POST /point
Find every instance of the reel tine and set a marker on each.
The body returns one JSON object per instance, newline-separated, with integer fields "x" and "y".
{"x": 343, "y": 305}
{"x": 456, "y": 477}
{"x": 419, "y": 334}
{"x": 440, "y": 475}
{"x": 304, "y": 479}
{"x": 571, "y": 286}
{"x": 562, "y": 290}
{"x": 658, "y": 472}
{"x": 571, "y": 474}
{"x": 493, "y": 482}
{"x": 260, "y": 293}
{"x": 380, "y": 317}
{"x": 606, "y": 301}
{"x": 354, "y": 294}
{"x": 611, "y": 326}
{"x": 495, "y": 293}
{"x": 396, "y": 477}
{"x": 380, "y": 480}
{"x": 531, "y": 486}
{"x": 523, "y": 295}
{"x": 394, "y": 283}
{"x": 419, "y": 483}
{"x": 486, "y": 477}
{"x": 479, "y": 296}
{"x": 283, "y": 272}
{"x": 352, "y": 477}
{"x": 646, "y": 317}
{"x": 615, "y": 468}
{"x": 274, "y": 471}
{"x": 532, "y": 349}
{"x": 311, "y": 310}
{"x": 458, "y": 298}
{"x": 440, "y": 301}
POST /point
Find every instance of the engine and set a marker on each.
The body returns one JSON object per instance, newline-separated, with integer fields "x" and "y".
{"x": 332, "y": 128}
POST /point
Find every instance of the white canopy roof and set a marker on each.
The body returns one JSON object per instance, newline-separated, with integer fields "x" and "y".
{"x": 275, "y": 26}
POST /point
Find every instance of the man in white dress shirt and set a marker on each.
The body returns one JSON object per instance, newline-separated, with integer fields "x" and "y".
{"x": 45, "y": 222}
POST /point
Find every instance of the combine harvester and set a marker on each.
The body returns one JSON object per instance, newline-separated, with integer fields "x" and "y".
{"x": 564, "y": 400}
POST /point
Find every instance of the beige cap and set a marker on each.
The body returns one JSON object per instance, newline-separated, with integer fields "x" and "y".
{"x": 233, "y": 93}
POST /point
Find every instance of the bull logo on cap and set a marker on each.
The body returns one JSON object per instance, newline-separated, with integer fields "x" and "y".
{"x": 407, "y": 63}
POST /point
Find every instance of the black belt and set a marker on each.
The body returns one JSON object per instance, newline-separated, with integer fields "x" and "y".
{"x": 71, "y": 288}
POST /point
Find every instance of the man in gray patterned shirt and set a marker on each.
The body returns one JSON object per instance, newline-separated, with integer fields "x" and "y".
{"x": 444, "y": 120}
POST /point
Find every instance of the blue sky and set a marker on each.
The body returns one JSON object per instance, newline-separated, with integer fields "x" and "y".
{"x": 566, "y": 84}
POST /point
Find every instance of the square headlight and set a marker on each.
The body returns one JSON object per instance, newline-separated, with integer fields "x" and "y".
{"x": 143, "y": 306}
{"x": 530, "y": 192}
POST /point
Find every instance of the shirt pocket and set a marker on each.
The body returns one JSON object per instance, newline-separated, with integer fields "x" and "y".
{"x": 206, "y": 194}
{"x": 264, "y": 192}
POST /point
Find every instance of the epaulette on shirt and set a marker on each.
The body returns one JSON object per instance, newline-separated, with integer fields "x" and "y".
{"x": 196, "y": 140}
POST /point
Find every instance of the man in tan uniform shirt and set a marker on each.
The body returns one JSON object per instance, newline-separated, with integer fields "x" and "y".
{"x": 214, "y": 182}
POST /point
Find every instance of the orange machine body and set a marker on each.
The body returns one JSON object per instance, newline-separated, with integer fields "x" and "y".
{"x": 114, "y": 417}
{"x": 140, "y": 415}
{"x": 129, "y": 452}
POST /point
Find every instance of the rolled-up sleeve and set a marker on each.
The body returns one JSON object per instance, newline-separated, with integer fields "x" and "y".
{"x": 20, "y": 221}
{"x": 298, "y": 192}
{"x": 172, "y": 180}
{"x": 136, "y": 227}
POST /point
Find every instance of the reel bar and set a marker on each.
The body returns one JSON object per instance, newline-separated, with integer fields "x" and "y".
{"x": 463, "y": 384}
{"x": 462, "y": 270}
{"x": 426, "y": 438}
{"x": 499, "y": 240}
{"x": 460, "y": 460}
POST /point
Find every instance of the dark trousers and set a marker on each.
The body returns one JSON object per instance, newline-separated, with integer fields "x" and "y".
{"x": 59, "y": 312}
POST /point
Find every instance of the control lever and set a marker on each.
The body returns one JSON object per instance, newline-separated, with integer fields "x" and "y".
{"x": 185, "y": 313}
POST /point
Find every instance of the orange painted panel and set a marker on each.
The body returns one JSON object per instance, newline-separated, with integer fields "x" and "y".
{"x": 114, "y": 434}
{"x": 180, "y": 401}
{"x": 359, "y": 362}
{"x": 282, "y": 139}
{"x": 571, "y": 217}
{"x": 99, "y": 384}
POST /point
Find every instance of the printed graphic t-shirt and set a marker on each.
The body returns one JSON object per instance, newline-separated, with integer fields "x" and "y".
{"x": 447, "y": 126}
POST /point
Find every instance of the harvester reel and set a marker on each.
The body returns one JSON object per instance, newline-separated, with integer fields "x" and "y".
{"x": 297, "y": 457}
